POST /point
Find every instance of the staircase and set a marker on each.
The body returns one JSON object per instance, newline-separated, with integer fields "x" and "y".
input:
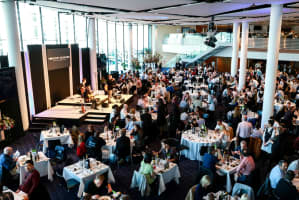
{"x": 96, "y": 118}
{"x": 204, "y": 56}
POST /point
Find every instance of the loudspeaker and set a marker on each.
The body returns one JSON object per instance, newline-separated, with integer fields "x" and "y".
{"x": 4, "y": 62}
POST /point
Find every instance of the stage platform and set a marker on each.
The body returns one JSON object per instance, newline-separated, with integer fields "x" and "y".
{"x": 69, "y": 109}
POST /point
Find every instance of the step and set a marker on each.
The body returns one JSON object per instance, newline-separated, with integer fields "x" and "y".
{"x": 94, "y": 120}
{"x": 96, "y": 116}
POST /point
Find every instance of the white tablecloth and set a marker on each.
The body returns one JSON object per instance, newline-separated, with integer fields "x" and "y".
{"x": 218, "y": 194}
{"x": 75, "y": 171}
{"x": 165, "y": 176}
{"x": 65, "y": 138}
{"x": 194, "y": 143}
{"x": 227, "y": 170}
{"x": 43, "y": 166}
{"x": 110, "y": 146}
{"x": 17, "y": 196}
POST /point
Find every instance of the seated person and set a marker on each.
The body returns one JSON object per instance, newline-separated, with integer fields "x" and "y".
{"x": 202, "y": 188}
{"x": 31, "y": 181}
{"x": 220, "y": 126}
{"x": 90, "y": 131}
{"x": 237, "y": 150}
{"x": 285, "y": 188}
{"x": 245, "y": 167}
{"x": 137, "y": 133}
{"x": 98, "y": 187}
{"x": 129, "y": 123}
{"x": 81, "y": 149}
{"x": 210, "y": 160}
{"x": 166, "y": 152}
{"x": 277, "y": 173}
{"x": 94, "y": 146}
{"x": 123, "y": 146}
{"x": 147, "y": 169}
{"x": 7, "y": 165}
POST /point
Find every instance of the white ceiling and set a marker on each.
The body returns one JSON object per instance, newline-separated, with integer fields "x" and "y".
{"x": 177, "y": 12}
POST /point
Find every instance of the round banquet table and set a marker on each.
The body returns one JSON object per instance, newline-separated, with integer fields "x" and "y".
{"x": 194, "y": 143}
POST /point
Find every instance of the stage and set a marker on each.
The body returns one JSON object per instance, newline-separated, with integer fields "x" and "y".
{"x": 69, "y": 109}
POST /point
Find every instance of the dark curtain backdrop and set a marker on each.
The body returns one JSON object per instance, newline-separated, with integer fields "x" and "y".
{"x": 10, "y": 103}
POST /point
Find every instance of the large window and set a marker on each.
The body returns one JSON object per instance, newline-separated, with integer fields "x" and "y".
{"x": 80, "y": 31}
{"x": 135, "y": 40}
{"x": 50, "y": 26}
{"x": 120, "y": 45}
{"x": 66, "y": 28}
{"x": 146, "y": 37}
{"x": 127, "y": 43}
{"x": 140, "y": 42}
{"x": 102, "y": 36}
{"x": 111, "y": 46}
{"x": 30, "y": 24}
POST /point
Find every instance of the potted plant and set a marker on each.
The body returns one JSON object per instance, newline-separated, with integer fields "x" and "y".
{"x": 136, "y": 64}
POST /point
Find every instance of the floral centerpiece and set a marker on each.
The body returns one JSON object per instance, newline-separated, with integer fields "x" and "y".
{"x": 6, "y": 123}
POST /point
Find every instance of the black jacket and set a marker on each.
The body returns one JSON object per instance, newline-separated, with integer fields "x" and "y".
{"x": 123, "y": 147}
{"x": 286, "y": 190}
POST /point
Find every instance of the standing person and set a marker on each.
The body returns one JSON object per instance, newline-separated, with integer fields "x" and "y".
{"x": 244, "y": 130}
{"x": 7, "y": 165}
{"x": 31, "y": 181}
{"x": 81, "y": 149}
{"x": 161, "y": 117}
{"x": 109, "y": 87}
{"x": 138, "y": 85}
{"x": 90, "y": 131}
{"x": 123, "y": 147}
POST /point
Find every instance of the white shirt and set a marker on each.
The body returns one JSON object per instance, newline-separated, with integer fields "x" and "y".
{"x": 184, "y": 116}
{"x": 294, "y": 165}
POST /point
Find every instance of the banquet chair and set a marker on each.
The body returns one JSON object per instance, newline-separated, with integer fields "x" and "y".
{"x": 255, "y": 146}
{"x": 240, "y": 188}
{"x": 51, "y": 148}
{"x": 190, "y": 195}
{"x": 139, "y": 181}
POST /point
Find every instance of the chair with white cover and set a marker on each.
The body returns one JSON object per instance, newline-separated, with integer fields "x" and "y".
{"x": 190, "y": 195}
{"x": 238, "y": 187}
{"x": 139, "y": 181}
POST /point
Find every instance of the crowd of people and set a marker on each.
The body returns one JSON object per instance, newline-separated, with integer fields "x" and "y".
{"x": 174, "y": 101}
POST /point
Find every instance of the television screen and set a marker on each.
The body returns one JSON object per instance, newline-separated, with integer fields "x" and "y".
{"x": 58, "y": 58}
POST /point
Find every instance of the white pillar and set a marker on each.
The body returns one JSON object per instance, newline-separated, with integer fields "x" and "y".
{"x": 130, "y": 55}
{"x": 272, "y": 61}
{"x": 14, "y": 55}
{"x": 116, "y": 50}
{"x": 243, "y": 57}
{"x": 154, "y": 37}
{"x": 92, "y": 45}
{"x": 235, "y": 47}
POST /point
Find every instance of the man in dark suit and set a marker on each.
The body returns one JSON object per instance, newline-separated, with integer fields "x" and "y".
{"x": 123, "y": 148}
{"x": 146, "y": 119}
{"x": 285, "y": 188}
{"x": 94, "y": 146}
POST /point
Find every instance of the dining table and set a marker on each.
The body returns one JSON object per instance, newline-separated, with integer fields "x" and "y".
{"x": 78, "y": 172}
{"x": 194, "y": 142}
{"x": 55, "y": 134}
{"x": 227, "y": 168}
{"x": 166, "y": 174}
{"x": 42, "y": 165}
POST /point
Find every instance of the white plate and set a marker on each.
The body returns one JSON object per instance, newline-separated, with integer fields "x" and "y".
{"x": 105, "y": 198}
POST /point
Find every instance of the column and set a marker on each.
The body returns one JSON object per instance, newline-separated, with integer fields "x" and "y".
{"x": 14, "y": 55}
{"x": 92, "y": 45}
{"x": 243, "y": 57}
{"x": 116, "y": 50}
{"x": 130, "y": 55}
{"x": 154, "y": 37}
{"x": 272, "y": 61}
{"x": 235, "y": 49}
